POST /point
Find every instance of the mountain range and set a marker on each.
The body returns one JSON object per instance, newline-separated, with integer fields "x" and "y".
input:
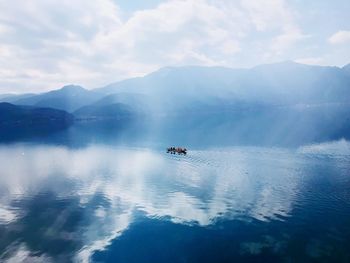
{"x": 68, "y": 98}
{"x": 173, "y": 88}
{"x": 300, "y": 90}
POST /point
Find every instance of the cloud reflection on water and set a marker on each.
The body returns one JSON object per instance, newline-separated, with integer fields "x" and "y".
{"x": 110, "y": 186}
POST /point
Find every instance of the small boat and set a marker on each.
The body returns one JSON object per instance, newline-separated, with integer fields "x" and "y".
{"x": 178, "y": 150}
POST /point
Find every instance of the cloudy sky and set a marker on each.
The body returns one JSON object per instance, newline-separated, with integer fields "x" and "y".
{"x": 45, "y": 44}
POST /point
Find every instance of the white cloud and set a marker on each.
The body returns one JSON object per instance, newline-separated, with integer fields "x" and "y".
{"x": 285, "y": 40}
{"x": 230, "y": 47}
{"x": 268, "y": 14}
{"x": 341, "y": 37}
{"x": 45, "y": 45}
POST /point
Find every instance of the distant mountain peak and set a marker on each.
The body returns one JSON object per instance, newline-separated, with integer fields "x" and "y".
{"x": 72, "y": 87}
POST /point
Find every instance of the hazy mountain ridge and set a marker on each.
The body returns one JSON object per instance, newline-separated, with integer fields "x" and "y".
{"x": 68, "y": 98}
{"x": 346, "y": 68}
{"x": 10, "y": 98}
{"x": 286, "y": 83}
{"x": 278, "y": 102}
{"x": 177, "y": 88}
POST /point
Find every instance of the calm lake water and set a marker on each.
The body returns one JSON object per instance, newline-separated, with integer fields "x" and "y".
{"x": 112, "y": 203}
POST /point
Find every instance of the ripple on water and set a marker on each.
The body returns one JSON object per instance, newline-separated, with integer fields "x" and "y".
{"x": 108, "y": 189}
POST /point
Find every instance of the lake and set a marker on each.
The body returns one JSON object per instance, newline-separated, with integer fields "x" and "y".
{"x": 112, "y": 202}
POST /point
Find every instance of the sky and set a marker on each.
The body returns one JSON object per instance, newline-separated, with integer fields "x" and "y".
{"x": 45, "y": 44}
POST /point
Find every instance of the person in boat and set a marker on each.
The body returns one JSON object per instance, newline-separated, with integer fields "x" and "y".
{"x": 178, "y": 150}
{"x": 171, "y": 150}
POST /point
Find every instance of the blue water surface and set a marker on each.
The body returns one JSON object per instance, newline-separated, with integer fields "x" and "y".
{"x": 106, "y": 202}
